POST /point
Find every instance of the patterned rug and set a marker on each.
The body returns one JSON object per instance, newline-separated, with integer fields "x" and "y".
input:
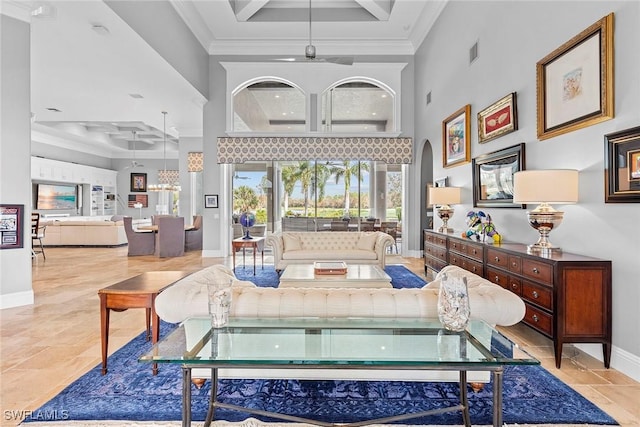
{"x": 129, "y": 392}
{"x": 401, "y": 277}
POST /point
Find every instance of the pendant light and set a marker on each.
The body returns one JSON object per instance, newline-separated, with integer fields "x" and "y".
{"x": 163, "y": 178}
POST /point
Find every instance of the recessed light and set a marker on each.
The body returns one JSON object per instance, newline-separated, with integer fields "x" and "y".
{"x": 277, "y": 96}
{"x": 373, "y": 114}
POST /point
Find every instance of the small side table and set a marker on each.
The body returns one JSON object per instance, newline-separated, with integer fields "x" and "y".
{"x": 136, "y": 292}
{"x": 242, "y": 243}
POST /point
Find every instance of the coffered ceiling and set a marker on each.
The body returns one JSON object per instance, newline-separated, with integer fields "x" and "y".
{"x": 95, "y": 80}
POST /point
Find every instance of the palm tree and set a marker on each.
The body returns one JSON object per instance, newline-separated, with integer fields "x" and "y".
{"x": 245, "y": 199}
{"x": 346, "y": 171}
{"x": 305, "y": 173}
{"x": 289, "y": 183}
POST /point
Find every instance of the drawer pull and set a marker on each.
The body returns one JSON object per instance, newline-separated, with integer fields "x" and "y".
{"x": 514, "y": 286}
{"x": 535, "y": 270}
{"x": 474, "y": 251}
{"x": 473, "y": 269}
{"x": 514, "y": 264}
{"x": 496, "y": 279}
{"x": 535, "y": 318}
{"x": 535, "y": 294}
{"x": 496, "y": 259}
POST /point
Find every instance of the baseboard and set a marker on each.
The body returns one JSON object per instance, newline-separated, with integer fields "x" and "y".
{"x": 213, "y": 254}
{"x": 621, "y": 360}
{"x": 17, "y": 299}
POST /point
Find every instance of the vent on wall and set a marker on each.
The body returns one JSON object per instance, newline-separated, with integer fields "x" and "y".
{"x": 473, "y": 52}
{"x": 429, "y": 98}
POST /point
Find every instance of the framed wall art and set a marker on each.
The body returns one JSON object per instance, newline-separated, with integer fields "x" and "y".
{"x": 11, "y": 226}
{"x": 493, "y": 177}
{"x": 138, "y": 182}
{"x": 211, "y": 201}
{"x": 134, "y": 199}
{"x": 498, "y": 119}
{"x": 575, "y": 82}
{"x": 456, "y": 135}
{"x": 622, "y": 166}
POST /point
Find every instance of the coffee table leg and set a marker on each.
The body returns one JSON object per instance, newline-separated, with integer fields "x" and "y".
{"x": 211, "y": 412}
{"x": 104, "y": 331}
{"x": 466, "y": 418}
{"x": 497, "y": 397}
{"x": 148, "y": 322}
{"x": 255, "y": 249}
{"x": 186, "y": 396}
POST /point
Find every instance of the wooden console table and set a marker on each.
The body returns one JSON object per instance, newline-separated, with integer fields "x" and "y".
{"x": 136, "y": 292}
{"x": 256, "y": 243}
{"x": 567, "y": 296}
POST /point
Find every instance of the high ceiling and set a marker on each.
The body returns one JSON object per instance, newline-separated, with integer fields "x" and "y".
{"x": 95, "y": 80}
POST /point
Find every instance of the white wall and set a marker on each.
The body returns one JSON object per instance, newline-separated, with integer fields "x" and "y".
{"x": 15, "y": 159}
{"x": 512, "y": 37}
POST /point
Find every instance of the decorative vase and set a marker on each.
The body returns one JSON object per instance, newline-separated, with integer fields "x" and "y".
{"x": 453, "y": 303}
{"x": 219, "y": 302}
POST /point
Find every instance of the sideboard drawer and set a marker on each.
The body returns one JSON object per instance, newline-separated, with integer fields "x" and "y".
{"x": 515, "y": 264}
{"x": 497, "y": 258}
{"x": 538, "y": 271}
{"x": 498, "y": 277}
{"x": 475, "y": 251}
{"x": 457, "y": 246}
{"x": 515, "y": 285}
{"x": 539, "y": 320}
{"x": 434, "y": 263}
{"x": 537, "y": 295}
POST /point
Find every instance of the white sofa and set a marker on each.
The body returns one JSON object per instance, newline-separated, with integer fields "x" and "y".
{"x": 356, "y": 247}
{"x": 84, "y": 233}
{"x": 188, "y": 298}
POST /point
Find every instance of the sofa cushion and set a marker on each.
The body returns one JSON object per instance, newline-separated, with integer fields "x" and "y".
{"x": 291, "y": 242}
{"x": 367, "y": 241}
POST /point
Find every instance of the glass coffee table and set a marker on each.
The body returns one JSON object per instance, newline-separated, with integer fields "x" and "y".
{"x": 350, "y": 343}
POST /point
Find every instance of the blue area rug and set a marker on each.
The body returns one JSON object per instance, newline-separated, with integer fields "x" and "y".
{"x": 129, "y": 392}
{"x": 401, "y": 277}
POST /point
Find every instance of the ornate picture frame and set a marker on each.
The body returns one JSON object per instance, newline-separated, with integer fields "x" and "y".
{"x": 210, "y": 200}
{"x": 500, "y": 118}
{"x": 456, "y": 138}
{"x": 622, "y": 166}
{"x": 138, "y": 182}
{"x": 493, "y": 177}
{"x": 575, "y": 82}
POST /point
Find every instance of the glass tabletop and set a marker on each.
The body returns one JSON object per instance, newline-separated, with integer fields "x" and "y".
{"x": 354, "y": 342}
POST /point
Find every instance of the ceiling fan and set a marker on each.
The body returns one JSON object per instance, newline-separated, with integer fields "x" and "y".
{"x": 134, "y": 162}
{"x": 236, "y": 175}
{"x": 310, "y": 52}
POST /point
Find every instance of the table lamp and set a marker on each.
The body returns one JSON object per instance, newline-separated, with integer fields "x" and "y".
{"x": 442, "y": 197}
{"x": 556, "y": 186}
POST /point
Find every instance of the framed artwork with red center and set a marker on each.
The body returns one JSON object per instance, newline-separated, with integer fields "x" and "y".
{"x": 498, "y": 119}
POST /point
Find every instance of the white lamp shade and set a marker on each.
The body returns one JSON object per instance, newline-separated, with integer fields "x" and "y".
{"x": 546, "y": 186}
{"x": 444, "y": 195}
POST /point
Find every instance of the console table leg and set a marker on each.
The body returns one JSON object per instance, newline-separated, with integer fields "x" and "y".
{"x": 497, "y": 397}
{"x": 557, "y": 349}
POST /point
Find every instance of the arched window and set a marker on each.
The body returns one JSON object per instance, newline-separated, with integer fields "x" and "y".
{"x": 358, "y": 106}
{"x": 269, "y": 106}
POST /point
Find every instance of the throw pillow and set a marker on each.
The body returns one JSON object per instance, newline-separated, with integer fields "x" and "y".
{"x": 367, "y": 242}
{"x": 291, "y": 242}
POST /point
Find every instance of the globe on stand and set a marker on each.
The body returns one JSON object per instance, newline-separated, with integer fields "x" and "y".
{"x": 247, "y": 220}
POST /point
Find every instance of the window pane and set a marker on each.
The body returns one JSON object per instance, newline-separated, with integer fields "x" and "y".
{"x": 357, "y": 107}
{"x": 269, "y": 106}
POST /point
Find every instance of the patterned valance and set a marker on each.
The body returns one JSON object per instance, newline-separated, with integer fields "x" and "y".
{"x": 168, "y": 176}
{"x": 388, "y": 150}
{"x": 195, "y": 161}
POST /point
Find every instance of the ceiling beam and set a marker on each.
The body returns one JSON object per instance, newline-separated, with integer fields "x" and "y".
{"x": 381, "y": 9}
{"x": 245, "y": 9}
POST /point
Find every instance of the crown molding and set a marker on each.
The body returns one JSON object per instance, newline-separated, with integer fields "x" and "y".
{"x": 16, "y": 9}
{"x": 187, "y": 11}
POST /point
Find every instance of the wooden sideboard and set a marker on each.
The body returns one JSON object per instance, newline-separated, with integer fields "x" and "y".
{"x": 567, "y": 296}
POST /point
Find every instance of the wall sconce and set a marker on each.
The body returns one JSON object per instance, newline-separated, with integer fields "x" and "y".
{"x": 442, "y": 197}
{"x": 557, "y": 186}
